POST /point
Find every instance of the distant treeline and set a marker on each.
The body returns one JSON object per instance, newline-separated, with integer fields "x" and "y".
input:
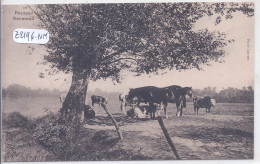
{"x": 229, "y": 95}
{"x": 15, "y": 91}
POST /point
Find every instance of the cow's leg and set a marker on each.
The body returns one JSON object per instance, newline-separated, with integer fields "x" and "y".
{"x": 196, "y": 110}
{"x": 209, "y": 109}
{"x": 181, "y": 108}
{"x": 122, "y": 107}
{"x": 152, "y": 109}
{"x": 92, "y": 103}
{"x": 153, "y": 112}
{"x": 165, "y": 104}
{"x": 178, "y": 109}
{"x": 165, "y": 111}
{"x": 152, "y": 115}
{"x": 138, "y": 103}
{"x": 158, "y": 112}
{"x": 82, "y": 116}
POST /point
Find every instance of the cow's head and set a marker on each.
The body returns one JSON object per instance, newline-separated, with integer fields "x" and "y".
{"x": 195, "y": 98}
{"x": 189, "y": 91}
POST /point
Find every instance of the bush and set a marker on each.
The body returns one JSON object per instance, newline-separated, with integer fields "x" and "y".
{"x": 15, "y": 120}
{"x": 47, "y": 130}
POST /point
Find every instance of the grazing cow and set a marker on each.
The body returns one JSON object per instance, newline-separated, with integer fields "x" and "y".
{"x": 88, "y": 112}
{"x": 203, "y": 102}
{"x": 98, "y": 100}
{"x": 62, "y": 97}
{"x": 122, "y": 99}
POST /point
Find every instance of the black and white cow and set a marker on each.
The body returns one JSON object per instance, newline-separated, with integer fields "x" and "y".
{"x": 98, "y": 100}
{"x": 203, "y": 102}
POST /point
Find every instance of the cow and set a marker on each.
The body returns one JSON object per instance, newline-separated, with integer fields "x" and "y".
{"x": 203, "y": 102}
{"x": 122, "y": 98}
{"x": 98, "y": 100}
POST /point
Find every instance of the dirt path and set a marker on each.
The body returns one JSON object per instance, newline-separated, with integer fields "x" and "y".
{"x": 148, "y": 128}
{"x": 195, "y": 137}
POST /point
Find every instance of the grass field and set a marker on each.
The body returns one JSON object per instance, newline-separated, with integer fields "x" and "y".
{"x": 225, "y": 133}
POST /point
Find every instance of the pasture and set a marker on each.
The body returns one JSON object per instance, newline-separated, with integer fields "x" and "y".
{"x": 225, "y": 133}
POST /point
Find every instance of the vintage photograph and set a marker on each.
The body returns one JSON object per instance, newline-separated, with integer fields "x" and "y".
{"x": 127, "y": 81}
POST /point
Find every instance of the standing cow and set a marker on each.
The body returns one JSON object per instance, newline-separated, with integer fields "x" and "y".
{"x": 98, "y": 100}
{"x": 203, "y": 102}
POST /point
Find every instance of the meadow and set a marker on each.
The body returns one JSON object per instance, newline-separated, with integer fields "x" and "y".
{"x": 225, "y": 133}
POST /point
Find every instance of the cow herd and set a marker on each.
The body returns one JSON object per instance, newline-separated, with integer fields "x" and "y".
{"x": 157, "y": 99}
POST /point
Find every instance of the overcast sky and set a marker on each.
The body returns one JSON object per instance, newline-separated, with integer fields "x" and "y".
{"x": 20, "y": 67}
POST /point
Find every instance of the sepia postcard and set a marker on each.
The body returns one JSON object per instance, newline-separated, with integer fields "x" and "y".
{"x": 139, "y": 81}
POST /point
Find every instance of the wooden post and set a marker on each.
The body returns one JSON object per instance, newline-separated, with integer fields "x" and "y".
{"x": 165, "y": 132}
{"x": 114, "y": 121}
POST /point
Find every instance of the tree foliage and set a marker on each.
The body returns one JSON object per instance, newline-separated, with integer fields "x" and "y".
{"x": 103, "y": 39}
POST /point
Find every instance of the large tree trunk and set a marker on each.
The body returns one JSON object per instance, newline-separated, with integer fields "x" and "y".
{"x": 73, "y": 105}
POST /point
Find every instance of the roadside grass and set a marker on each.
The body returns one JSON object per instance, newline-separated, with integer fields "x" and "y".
{"x": 44, "y": 139}
{"x": 18, "y": 143}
